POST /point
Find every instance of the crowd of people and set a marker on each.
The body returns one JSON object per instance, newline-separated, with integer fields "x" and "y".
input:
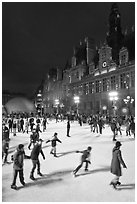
{"x": 22, "y": 123}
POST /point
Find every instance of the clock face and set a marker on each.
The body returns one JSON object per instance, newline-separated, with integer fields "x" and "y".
{"x": 104, "y": 64}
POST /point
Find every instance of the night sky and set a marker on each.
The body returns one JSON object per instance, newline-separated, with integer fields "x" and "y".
{"x": 39, "y": 36}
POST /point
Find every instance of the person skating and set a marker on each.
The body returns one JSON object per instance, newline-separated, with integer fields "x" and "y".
{"x": 114, "y": 128}
{"x": 68, "y": 128}
{"x": 54, "y": 143}
{"x": 5, "y": 132}
{"x": 5, "y": 148}
{"x": 14, "y": 126}
{"x": 33, "y": 138}
{"x": 84, "y": 158}
{"x": 37, "y": 149}
{"x": 18, "y": 160}
{"x": 101, "y": 125}
{"x": 116, "y": 162}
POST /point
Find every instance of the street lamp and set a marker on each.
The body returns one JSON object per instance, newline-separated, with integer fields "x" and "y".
{"x": 128, "y": 100}
{"x": 113, "y": 96}
{"x": 76, "y": 101}
{"x": 57, "y": 104}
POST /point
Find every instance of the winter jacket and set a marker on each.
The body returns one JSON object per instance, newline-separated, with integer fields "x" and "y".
{"x": 34, "y": 137}
{"x": 54, "y": 141}
{"x": 36, "y": 151}
{"x": 116, "y": 162}
{"x": 18, "y": 158}
{"x": 113, "y": 126}
{"x": 5, "y": 133}
{"x": 5, "y": 146}
{"x": 100, "y": 123}
{"x": 85, "y": 155}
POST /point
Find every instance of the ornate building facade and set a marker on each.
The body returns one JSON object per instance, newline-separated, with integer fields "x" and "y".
{"x": 93, "y": 74}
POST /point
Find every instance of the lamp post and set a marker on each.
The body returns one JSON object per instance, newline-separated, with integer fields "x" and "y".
{"x": 113, "y": 96}
{"x": 76, "y": 101}
{"x": 57, "y": 104}
{"x": 128, "y": 100}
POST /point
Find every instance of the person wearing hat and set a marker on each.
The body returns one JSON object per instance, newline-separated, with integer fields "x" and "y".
{"x": 18, "y": 160}
{"x": 54, "y": 143}
{"x": 84, "y": 158}
{"x": 37, "y": 149}
{"x": 116, "y": 162}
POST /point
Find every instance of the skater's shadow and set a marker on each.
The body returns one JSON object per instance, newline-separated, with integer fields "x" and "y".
{"x": 94, "y": 171}
{"x": 61, "y": 154}
{"x": 129, "y": 186}
{"x": 47, "y": 179}
{"x": 41, "y": 182}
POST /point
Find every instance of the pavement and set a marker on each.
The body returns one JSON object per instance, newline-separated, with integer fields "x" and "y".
{"x": 57, "y": 183}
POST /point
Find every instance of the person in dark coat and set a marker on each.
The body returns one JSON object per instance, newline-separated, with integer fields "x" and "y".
{"x": 84, "y": 158}
{"x": 5, "y": 148}
{"x": 18, "y": 160}
{"x": 116, "y": 162}
{"x": 37, "y": 149}
{"x": 38, "y": 128}
{"x": 132, "y": 127}
{"x": 33, "y": 138}
{"x": 114, "y": 128}
{"x": 5, "y": 132}
{"x": 10, "y": 121}
{"x": 101, "y": 125}
{"x": 68, "y": 128}
{"x": 31, "y": 122}
{"x": 14, "y": 126}
{"x": 22, "y": 125}
{"x": 44, "y": 123}
{"x": 54, "y": 143}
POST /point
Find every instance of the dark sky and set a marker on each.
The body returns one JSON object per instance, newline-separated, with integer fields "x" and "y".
{"x": 38, "y": 36}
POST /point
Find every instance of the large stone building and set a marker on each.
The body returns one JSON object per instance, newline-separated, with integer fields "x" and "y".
{"x": 94, "y": 73}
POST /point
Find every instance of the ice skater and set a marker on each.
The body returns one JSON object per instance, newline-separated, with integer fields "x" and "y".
{"x": 54, "y": 143}
{"x": 18, "y": 160}
{"x": 84, "y": 158}
{"x": 37, "y": 149}
{"x": 116, "y": 162}
{"x": 68, "y": 128}
{"x": 33, "y": 138}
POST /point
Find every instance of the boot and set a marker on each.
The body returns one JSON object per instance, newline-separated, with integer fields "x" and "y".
{"x": 14, "y": 187}
{"x": 40, "y": 174}
{"x": 32, "y": 177}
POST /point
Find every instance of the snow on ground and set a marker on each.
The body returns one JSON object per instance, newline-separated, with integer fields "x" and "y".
{"x": 58, "y": 183}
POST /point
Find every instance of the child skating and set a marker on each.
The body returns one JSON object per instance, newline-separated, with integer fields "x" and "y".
{"x": 54, "y": 141}
{"x": 84, "y": 158}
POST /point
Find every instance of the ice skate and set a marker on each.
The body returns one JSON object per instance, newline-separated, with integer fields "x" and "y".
{"x": 14, "y": 187}
{"x": 113, "y": 184}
